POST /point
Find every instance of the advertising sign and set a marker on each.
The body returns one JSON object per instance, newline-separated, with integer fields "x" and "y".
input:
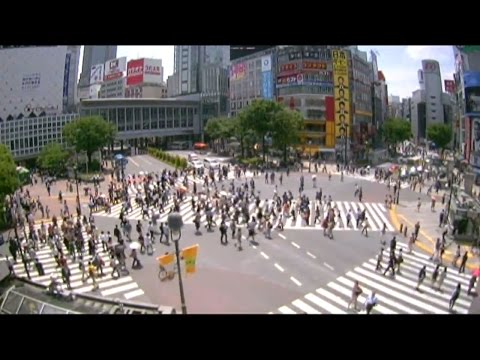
{"x": 475, "y": 142}
{"x": 135, "y": 72}
{"x": 267, "y": 85}
{"x": 266, "y": 63}
{"x": 430, "y": 66}
{"x": 30, "y": 81}
{"x": 96, "y": 74}
{"x": 314, "y": 65}
{"x": 288, "y": 68}
{"x": 152, "y": 71}
{"x": 238, "y": 71}
{"x": 449, "y": 86}
{"x": 341, "y": 93}
{"x": 114, "y": 68}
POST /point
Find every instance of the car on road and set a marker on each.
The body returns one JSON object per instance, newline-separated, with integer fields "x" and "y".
{"x": 211, "y": 164}
{"x": 195, "y": 164}
{"x": 193, "y": 157}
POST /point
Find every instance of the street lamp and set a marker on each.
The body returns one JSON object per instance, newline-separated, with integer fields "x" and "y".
{"x": 75, "y": 170}
{"x": 310, "y": 156}
{"x": 175, "y": 223}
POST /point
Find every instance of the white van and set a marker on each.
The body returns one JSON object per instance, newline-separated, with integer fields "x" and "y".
{"x": 211, "y": 164}
{"x": 192, "y": 157}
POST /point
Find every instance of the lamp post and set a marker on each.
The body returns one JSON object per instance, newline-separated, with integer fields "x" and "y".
{"x": 175, "y": 223}
{"x": 75, "y": 170}
{"x": 310, "y": 156}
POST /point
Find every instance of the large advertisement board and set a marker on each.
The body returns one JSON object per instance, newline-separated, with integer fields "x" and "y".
{"x": 135, "y": 72}
{"x": 96, "y": 74}
{"x": 238, "y": 71}
{"x": 115, "y": 68}
{"x": 152, "y": 71}
{"x": 475, "y": 142}
{"x": 449, "y": 86}
{"x": 267, "y": 79}
{"x": 341, "y": 93}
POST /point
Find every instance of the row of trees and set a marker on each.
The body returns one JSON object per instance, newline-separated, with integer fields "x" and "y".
{"x": 9, "y": 181}
{"x": 263, "y": 122}
{"x": 398, "y": 130}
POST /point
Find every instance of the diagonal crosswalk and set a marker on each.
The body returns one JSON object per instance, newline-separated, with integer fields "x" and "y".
{"x": 395, "y": 295}
{"x": 124, "y": 286}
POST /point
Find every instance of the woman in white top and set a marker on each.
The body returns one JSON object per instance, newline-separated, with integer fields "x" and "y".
{"x": 370, "y": 302}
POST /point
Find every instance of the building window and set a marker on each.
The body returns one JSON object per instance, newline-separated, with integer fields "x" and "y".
{"x": 138, "y": 118}
{"x": 146, "y": 118}
{"x": 176, "y": 117}
{"x": 433, "y": 104}
{"x": 169, "y": 117}
{"x": 129, "y": 119}
{"x": 432, "y": 97}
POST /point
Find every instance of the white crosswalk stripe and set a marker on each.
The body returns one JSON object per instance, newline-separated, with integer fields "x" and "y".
{"x": 396, "y": 295}
{"x": 371, "y": 178}
{"x": 375, "y": 213}
{"x": 108, "y": 286}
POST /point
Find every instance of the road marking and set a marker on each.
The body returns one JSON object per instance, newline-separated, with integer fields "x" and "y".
{"x": 147, "y": 161}
{"x": 270, "y": 313}
{"x": 286, "y": 310}
{"x": 295, "y": 281}
{"x": 279, "y": 267}
{"x": 282, "y": 236}
{"x": 311, "y": 255}
{"x": 296, "y": 245}
{"x": 328, "y": 266}
{"x": 133, "y": 294}
{"x": 254, "y": 246}
{"x": 134, "y": 162}
{"x": 264, "y": 255}
{"x": 305, "y": 307}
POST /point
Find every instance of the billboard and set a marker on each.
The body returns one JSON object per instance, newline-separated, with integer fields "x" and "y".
{"x": 152, "y": 71}
{"x": 341, "y": 93}
{"x": 289, "y": 68}
{"x": 314, "y": 65}
{"x": 114, "y": 68}
{"x": 449, "y": 86}
{"x": 238, "y": 71}
{"x": 267, "y": 81}
{"x": 96, "y": 74}
{"x": 238, "y": 51}
{"x": 475, "y": 142}
{"x": 135, "y": 72}
{"x": 266, "y": 63}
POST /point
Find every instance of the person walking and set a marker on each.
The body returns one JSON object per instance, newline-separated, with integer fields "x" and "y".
{"x": 399, "y": 260}
{"x": 356, "y": 292}
{"x": 454, "y": 297}
{"x": 471, "y": 284}
{"x": 379, "y": 260}
{"x": 92, "y": 273}
{"x": 371, "y": 302}
{"x": 223, "y": 233}
{"x": 421, "y": 276}
{"x": 39, "y": 267}
{"x": 238, "y": 244}
{"x": 456, "y": 256}
{"x": 461, "y": 269}
{"x": 435, "y": 274}
{"x": 441, "y": 279}
{"x": 391, "y": 264}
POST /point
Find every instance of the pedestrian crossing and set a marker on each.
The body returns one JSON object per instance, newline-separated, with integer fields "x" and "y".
{"x": 371, "y": 178}
{"x": 376, "y": 214}
{"x": 396, "y": 295}
{"x": 124, "y": 286}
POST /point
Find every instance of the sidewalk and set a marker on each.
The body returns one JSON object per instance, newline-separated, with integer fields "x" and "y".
{"x": 406, "y": 213}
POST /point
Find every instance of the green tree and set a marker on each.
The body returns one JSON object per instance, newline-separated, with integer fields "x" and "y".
{"x": 396, "y": 130}
{"x": 440, "y": 134}
{"x": 9, "y": 181}
{"x": 219, "y": 130}
{"x": 89, "y": 134}
{"x": 259, "y": 117}
{"x": 286, "y": 126}
{"x": 53, "y": 158}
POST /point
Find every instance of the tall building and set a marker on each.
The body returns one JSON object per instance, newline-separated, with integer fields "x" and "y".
{"x": 429, "y": 105}
{"x": 93, "y": 55}
{"x": 395, "y": 107}
{"x": 37, "y": 81}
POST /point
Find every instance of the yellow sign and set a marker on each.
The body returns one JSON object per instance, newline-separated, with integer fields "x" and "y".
{"x": 190, "y": 256}
{"x": 341, "y": 93}
{"x": 166, "y": 259}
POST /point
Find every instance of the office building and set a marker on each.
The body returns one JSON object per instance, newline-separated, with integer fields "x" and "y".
{"x": 37, "y": 81}
{"x": 146, "y": 91}
{"x": 113, "y": 89}
{"x": 395, "y": 107}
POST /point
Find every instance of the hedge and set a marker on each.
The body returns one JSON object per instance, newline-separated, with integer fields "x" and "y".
{"x": 174, "y": 160}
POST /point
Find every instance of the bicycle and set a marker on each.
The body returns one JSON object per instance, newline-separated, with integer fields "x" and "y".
{"x": 164, "y": 274}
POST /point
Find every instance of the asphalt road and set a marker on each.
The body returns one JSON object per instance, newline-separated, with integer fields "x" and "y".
{"x": 274, "y": 272}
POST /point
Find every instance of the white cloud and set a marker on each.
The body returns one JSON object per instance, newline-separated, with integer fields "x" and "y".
{"x": 439, "y": 53}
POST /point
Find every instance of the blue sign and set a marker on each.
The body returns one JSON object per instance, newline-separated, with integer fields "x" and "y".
{"x": 267, "y": 85}
{"x": 66, "y": 75}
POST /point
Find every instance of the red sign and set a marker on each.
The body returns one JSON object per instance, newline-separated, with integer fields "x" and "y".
{"x": 288, "y": 67}
{"x": 135, "y": 72}
{"x": 330, "y": 108}
{"x": 314, "y": 65}
{"x": 430, "y": 66}
{"x": 449, "y": 86}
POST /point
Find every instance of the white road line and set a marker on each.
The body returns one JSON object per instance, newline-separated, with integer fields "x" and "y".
{"x": 324, "y": 304}
{"x": 116, "y": 290}
{"x": 286, "y": 310}
{"x": 134, "y": 162}
{"x": 328, "y": 266}
{"x": 147, "y": 161}
{"x": 133, "y": 294}
{"x": 311, "y": 255}
{"x": 298, "y": 283}
{"x": 282, "y": 236}
{"x": 264, "y": 255}
{"x": 296, "y": 245}
{"x": 254, "y": 246}
{"x": 279, "y": 267}
{"x": 305, "y": 307}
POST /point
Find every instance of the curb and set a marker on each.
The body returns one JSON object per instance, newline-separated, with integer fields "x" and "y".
{"x": 425, "y": 247}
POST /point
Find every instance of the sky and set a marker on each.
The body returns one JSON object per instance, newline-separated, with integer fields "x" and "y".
{"x": 398, "y": 63}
